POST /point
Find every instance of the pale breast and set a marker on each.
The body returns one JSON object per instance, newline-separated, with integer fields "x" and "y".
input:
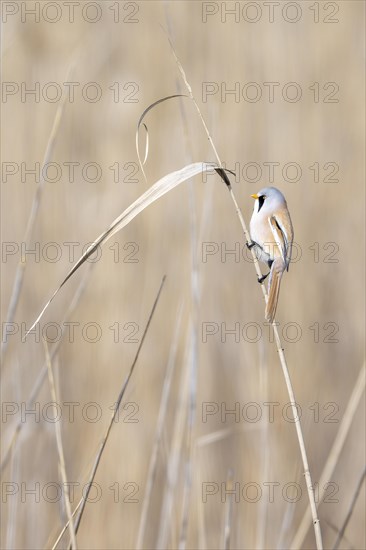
{"x": 261, "y": 233}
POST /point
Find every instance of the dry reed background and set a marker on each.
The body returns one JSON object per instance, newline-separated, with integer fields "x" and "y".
{"x": 169, "y": 236}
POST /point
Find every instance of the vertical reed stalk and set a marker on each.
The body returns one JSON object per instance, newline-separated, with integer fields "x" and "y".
{"x": 280, "y": 349}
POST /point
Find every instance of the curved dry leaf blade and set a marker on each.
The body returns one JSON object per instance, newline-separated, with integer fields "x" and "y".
{"x": 161, "y": 100}
{"x": 140, "y": 122}
{"x": 146, "y": 143}
{"x": 160, "y": 188}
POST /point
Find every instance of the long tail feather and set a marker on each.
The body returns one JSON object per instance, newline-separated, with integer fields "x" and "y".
{"x": 274, "y": 290}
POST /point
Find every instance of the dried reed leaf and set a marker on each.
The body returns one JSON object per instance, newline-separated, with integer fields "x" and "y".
{"x": 160, "y": 188}
{"x": 147, "y": 133}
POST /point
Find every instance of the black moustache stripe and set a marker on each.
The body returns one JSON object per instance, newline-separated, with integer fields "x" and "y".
{"x": 261, "y": 202}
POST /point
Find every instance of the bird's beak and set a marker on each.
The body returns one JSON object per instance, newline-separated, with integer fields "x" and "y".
{"x": 255, "y": 196}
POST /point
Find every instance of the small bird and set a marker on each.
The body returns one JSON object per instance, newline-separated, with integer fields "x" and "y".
{"x": 272, "y": 235}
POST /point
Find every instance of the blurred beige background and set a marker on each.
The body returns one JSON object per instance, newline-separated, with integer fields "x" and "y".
{"x": 322, "y": 296}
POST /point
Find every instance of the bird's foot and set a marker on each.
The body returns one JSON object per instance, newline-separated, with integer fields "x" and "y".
{"x": 263, "y": 278}
{"x": 250, "y": 245}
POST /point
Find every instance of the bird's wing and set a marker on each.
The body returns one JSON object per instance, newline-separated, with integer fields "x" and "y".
{"x": 282, "y": 231}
